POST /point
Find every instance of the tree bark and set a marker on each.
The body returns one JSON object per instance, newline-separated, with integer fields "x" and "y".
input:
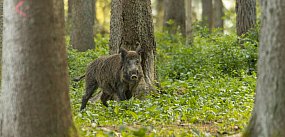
{"x": 175, "y": 11}
{"x": 69, "y": 10}
{"x": 246, "y": 15}
{"x": 131, "y": 26}
{"x": 1, "y": 37}
{"x": 268, "y": 114}
{"x": 82, "y": 37}
{"x": 1, "y": 25}
{"x": 94, "y": 11}
{"x": 188, "y": 21}
{"x": 219, "y": 14}
{"x": 207, "y": 14}
{"x": 1, "y": 45}
{"x": 35, "y": 100}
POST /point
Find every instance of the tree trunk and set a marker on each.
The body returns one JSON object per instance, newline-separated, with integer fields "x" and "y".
{"x": 188, "y": 21}
{"x": 1, "y": 37}
{"x": 246, "y": 15}
{"x": 175, "y": 11}
{"x": 160, "y": 13}
{"x": 131, "y": 26}
{"x": 268, "y": 114}
{"x": 219, "y": 14}
{"x": 35, "y": 100}
{"x": 98, "y": 28}
{"x": 69, "y": 17}
{"x": 94, "y": 11}
{"x": 82, "y": 37}
{"x": 1, "y": 25}
{"x": 94, "y": 17}
{"x": 69, "y": 10}
{"x": 207, "y": 14}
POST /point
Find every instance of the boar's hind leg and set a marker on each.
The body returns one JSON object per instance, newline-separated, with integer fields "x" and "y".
{"x": 104, "y": 98}
{"x": 90, "y": 89}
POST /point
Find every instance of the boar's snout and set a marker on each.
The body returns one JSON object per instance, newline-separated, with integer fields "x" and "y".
{"x": 134, "y": 75}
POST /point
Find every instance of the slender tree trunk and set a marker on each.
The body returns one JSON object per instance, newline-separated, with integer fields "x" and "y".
{"x": 246, "y": 15}
{"x": 94, "y": 17}
{"x": 188, "y": 21}
{"x": 219, "y": 14}
{"x": 99, "y": 27}
{"x": 207, "y": 13}
{"x": 131, "y": 26}
{"x": 69, "y": 17}
{"x": 82, "y": 37}
{"x": 175, "y": 11}
{"x": 269, "y": 109}
{"x": 195, "y": 5}
{"x": 35, "y": 100}
{"x": 160, "y": 13}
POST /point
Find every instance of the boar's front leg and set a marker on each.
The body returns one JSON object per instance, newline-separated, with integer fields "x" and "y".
{"x": 129, "y": 94}
{"x": 121, "y": 94}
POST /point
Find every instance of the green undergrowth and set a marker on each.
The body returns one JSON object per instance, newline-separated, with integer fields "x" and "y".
{"x": 206, "y": 89}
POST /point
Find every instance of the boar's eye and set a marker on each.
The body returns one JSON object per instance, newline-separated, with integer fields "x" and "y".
{"x": 137, "y": 61}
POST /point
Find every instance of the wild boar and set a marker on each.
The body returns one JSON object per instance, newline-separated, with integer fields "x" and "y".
{"x": 117, "y": 75}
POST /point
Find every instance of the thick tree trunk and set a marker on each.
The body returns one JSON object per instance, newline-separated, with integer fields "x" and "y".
{"x": 1, "y": 38}
{"x": 174, "y": 10}
{"x": 268, "y": 114}
{"x": 35, "y": 100}
{"x": 219, "y": 14}
{"x": 82, "y": 37}
{"x": 94, "y": 11}
{"x": 188, "y": 21}
{"x": 131, "y": 26}
{"x": 1, "y": 25}
{"x": 69, "y": 10}
{"x": 207, "y": 14}
{"x": 246, "y": 15}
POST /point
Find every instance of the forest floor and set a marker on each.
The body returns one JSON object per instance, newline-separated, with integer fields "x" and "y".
{"x": 206, "y": 90}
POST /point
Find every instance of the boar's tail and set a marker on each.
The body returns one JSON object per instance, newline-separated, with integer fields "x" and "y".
{"x": 79, "y": 78}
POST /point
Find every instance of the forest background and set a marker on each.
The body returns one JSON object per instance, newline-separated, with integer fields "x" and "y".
{"x": 208, "y": 86}
{"x": 205, "y": 58}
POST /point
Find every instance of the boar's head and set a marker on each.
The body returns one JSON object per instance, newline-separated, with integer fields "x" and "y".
{"x": 131, "y": 64}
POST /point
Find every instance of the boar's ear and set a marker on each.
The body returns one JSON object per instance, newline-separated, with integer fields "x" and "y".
{"x": 123, "y": 52}
{"x": 139, "y": 50}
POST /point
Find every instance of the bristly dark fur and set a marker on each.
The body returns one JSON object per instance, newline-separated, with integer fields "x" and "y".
{"x": 111, "y": 74}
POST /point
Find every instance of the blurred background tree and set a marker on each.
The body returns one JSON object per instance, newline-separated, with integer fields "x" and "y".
{"x": 224, "y": 14}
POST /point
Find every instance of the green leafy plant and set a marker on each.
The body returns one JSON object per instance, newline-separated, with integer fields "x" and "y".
{"x": 206, "y": 89}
